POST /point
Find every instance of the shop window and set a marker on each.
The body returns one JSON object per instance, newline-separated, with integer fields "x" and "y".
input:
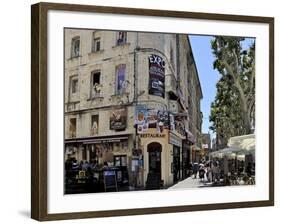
{"x": 75, "y": 47}
{"x": 120, "y": 160}
{"x": 96, "y": 44}
{"x": 96, "y": 84}
{"x": 94, "y": 124}
{"x": 72, "y": 128}
{"x": 120, "y": 79}
{"x": 121, "y": 38}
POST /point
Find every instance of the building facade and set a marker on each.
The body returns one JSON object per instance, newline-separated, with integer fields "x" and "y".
{"x": 128, "y": 97}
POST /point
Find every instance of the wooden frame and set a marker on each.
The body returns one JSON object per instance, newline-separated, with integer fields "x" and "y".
{"x": 39, "y": 110}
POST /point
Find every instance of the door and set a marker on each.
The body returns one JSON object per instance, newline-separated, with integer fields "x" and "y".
{"x": 154, "y": 165}
{"x": 176, "y": 162}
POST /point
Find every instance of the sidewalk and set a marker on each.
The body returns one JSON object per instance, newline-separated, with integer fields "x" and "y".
{"x": 190, "y": 182}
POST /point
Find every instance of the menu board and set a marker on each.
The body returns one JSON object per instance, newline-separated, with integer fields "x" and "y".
{"x": 110, "y": 182}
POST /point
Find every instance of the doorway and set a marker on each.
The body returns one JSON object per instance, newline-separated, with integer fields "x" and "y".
{"x": 154, "y": 150}
{"x": 176, "y": 162}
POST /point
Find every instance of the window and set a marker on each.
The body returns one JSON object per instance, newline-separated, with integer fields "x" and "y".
{"x": 94, "y": 124}
{"x": 74, "y": 85}
{"x": 96, "y": 45}
{"x": 96, "y": 84}
{"x": 120, "y": 160}
{"x": 96, "y": 78}
{"x": 75, "y": 47}
{"x": 120, "y": 79}
{"x": 72, "y": 128}
{"x": 121, "y": 38}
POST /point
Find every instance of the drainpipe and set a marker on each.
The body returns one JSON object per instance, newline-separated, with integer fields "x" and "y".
{"x": 135, "y": 100}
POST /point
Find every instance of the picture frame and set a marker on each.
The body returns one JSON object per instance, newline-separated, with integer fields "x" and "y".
{"x": 40, "y": 109}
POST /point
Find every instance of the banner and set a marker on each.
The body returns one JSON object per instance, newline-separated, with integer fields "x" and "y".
{"x": 156, "y": 76}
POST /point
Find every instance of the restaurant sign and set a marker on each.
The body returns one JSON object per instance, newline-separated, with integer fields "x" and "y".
{"x": 152, "y": 135}
{"x": 118, "y": 119}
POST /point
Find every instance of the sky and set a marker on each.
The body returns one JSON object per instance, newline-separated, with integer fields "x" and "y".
{"x": 204, "y": 59}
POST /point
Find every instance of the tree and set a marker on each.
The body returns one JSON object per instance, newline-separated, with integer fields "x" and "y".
{"x": 232, "y": 110}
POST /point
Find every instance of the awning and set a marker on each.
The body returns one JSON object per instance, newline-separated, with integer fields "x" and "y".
{"x": 246, "y": 143}
{"x": 190, "y": 136}
{"x": 195, "y": 148}
{"x": 98, "y": 139}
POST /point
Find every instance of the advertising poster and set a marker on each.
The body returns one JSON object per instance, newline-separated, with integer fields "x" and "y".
{"x": 156, "y": 75}
{"x": 118, "y": 119}
{"x": 141, "y": 118}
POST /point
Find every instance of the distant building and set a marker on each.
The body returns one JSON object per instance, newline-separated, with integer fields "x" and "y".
{"x": 132, "y": 100}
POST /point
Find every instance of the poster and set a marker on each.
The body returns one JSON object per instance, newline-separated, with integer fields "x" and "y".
{"x": 156, "y": 75}
{"x": 118, "y": 119}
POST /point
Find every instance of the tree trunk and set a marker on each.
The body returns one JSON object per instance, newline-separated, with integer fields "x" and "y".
{"x": 244, "y": 109}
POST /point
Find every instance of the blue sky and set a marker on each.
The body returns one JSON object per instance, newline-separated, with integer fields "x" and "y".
{"x": 204, "y": 59}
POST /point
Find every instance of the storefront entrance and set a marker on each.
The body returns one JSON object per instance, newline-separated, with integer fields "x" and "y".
{"x": 154, "y": 150}
{"x": 176, "y": 162}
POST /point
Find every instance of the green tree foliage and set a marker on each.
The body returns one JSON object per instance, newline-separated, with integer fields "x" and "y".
{"x": 232, "y": 111}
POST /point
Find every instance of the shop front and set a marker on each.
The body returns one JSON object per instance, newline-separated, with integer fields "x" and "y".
{"x": 176, "y": 143}
{"x": 162, "y": 158}
{"x": 101, "y": 153}
{"x": 185, "y": 159}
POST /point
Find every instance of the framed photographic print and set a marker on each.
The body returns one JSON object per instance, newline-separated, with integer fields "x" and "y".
{"x": 138, "y": 111}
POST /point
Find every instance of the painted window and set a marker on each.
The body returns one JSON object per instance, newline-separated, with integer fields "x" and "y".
{"x": 75, "y": 47}
{"x": 120, "y": 79}
{"x": 121, "y": 38}
{"x": 96, "y": 83}
{"x": 94, "y": 124}
{"x": 96, "y": 43}
{"x": 72, "y": 127}
{"x": 74, "y": 85}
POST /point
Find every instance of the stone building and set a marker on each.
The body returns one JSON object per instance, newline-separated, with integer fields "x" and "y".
{"x": 132, "y": 100}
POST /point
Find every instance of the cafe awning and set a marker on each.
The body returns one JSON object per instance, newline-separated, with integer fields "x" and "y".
{"x": 246, "y": 143}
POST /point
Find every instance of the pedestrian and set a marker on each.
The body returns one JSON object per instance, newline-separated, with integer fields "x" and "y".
{"x": 216, "y": 171}
{"x": 85, "y": 165}
{"x": 75, "y": 165}
{"x": 201, "y": 172}
{"x": 249, "y": 169}
{"x": 195, "y": 168}
{"x": 209, "y": 173}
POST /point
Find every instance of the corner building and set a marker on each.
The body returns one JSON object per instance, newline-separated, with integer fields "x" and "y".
{"x": 127, "y": 102}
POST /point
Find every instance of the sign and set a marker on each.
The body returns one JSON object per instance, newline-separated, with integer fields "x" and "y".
{"x": 152, "y": 135}
{"x": 156, "y": 75}
{"x": 175, "y": 140}
{"x": 118, "y": 119}
{"x": 205, "y": 146}
{"x": 109, "y": 178}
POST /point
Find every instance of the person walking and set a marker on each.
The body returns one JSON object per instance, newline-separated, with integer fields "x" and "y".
{"x": 216, "y": 171}
{"x": 201, "y": 172}
{"x": 209, "y": 172}
{"x": 195, "y": 168}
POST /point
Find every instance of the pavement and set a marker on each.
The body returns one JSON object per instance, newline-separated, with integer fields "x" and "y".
{"x": 191, "y": 182}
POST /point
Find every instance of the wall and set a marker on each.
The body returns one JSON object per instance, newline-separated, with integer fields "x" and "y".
{"x": 15, "y": 112}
